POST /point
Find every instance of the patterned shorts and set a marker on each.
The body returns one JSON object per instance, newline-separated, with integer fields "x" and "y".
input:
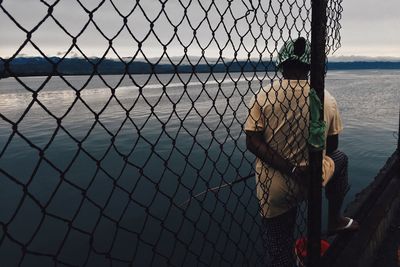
{"x": 278, "y": 232}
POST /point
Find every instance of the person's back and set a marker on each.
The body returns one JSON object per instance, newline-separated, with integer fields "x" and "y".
{"x": 281, "y": 113}
{"x": 288, "y": 118}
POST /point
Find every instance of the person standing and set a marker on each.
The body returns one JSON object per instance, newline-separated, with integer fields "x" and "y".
{"x": 277, "y": 129}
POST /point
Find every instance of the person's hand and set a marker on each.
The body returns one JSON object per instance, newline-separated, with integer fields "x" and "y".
{"x": 301, "y": 175}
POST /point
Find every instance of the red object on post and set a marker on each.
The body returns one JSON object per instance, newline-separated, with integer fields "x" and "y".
{"x": 301, "y": 250}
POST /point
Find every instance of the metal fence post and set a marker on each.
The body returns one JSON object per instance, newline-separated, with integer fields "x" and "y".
{"x": 398, "y": 136}
{"x": 317, "y": 77}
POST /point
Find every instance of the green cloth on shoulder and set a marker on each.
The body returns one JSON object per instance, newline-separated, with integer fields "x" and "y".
{"x": 316, "y": 138}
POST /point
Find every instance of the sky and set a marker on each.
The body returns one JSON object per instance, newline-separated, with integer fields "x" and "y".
{"x": 369, "y": 28}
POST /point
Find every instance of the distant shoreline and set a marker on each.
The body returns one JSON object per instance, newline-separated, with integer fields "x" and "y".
{"x": 37, "y": 66}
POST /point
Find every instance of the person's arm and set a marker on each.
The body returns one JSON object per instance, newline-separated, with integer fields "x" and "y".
{"x": 255, "y": 142}
{"x": 334, "y": 123}
{"x": 332, "y": 143}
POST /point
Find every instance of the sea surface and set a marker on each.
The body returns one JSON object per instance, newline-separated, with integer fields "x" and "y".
{"x": 98, "y": 171}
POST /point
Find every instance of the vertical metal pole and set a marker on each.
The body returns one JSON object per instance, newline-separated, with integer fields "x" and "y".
{"x": 317, "y": 77}
{"x": 398, "y": 137}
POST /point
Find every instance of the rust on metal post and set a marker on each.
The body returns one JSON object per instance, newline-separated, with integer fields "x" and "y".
{"x": 317, "y": 77}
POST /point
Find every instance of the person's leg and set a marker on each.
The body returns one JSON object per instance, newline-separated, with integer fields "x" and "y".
{"x": 336, "y": 190}
{"x": 278, "y": 239}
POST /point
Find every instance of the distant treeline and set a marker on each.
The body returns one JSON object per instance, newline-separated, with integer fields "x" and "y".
{"x": 364, "y": 65}
{"x": 38, "y": 66}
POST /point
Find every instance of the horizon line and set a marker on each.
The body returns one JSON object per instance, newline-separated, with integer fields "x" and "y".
{"x": 340, "y": 58}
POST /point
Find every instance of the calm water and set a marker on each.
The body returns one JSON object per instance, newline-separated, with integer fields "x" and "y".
{"x": 116, "y": 197}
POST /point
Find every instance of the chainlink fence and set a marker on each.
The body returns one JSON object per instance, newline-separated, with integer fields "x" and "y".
{"x": 148, "y": 166}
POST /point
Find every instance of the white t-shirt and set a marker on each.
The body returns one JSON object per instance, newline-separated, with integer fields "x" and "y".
{"x": 281, "y": 112}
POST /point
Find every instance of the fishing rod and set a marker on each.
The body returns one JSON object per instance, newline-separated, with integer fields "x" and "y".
{"x": 216, "y": 189}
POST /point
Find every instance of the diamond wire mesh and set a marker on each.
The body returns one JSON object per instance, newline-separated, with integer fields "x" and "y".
{"x": 102, "y": 170}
